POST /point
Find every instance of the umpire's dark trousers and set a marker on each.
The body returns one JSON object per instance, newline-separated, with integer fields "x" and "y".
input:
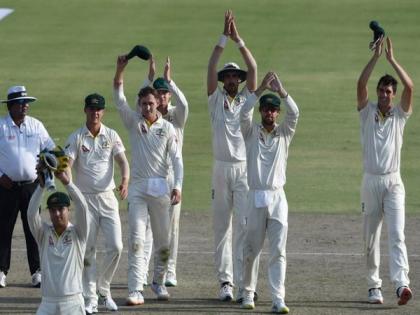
{"x": 11, "y": 202}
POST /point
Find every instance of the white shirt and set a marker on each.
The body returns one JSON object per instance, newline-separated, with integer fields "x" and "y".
{"x": 267, "y": 152}
{"x": 382, "y": 138}
{"x": 61, "y": 257}
{"x": 150, "y": 145}
{"x": 177, "y": 114}
{"x": 228, "y": 143}
{"x": 93, "y": 158}
{"x": 20, "y": 146}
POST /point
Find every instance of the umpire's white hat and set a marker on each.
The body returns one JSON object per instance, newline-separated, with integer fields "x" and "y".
{"x": 18, "y": 93}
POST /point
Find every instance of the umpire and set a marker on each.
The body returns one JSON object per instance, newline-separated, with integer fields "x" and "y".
{"x": 21, "y": 139}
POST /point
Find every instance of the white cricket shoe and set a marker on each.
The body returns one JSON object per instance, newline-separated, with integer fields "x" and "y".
{"x": 108, "y": 302}
{"x": 404, "y": 295}
{"x": 36, "y": 279}
{"x": 170, "y": 279}
{"x": 91, "y": 308}
{"x": 226, "y": 292}
{"x": 279, "y": 307}
{"x": 248, "y": 300}
{"x": 135, "y": 298}
{"x": 375, "y": 296}
{"x": 161, "y": 291}
{"x": 2, "y": 280}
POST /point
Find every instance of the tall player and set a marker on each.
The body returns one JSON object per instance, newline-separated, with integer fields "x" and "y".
{"x": 382, "y": 191}
{"x": 229, "y": 186}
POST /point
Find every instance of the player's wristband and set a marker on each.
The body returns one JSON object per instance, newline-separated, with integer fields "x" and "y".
{"x": 240, "y": 43}
{"x": 222, "y": 41}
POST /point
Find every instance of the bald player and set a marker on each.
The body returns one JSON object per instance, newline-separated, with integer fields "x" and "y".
{"x": 153, "y": 141}
{"x": 61, "y": 246}
{"x": 176, "y": 113}
{"x": 229, "y": 186}
{"x": 382, "y": 192}
{"x": 267, "y": 147}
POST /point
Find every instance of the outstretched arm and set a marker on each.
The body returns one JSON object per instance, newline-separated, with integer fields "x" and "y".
{"x": 215, "y": 56}
{"x": 251, "y": 77}
{"x": 362, "y": 90}
{"x": 407, "y": 93}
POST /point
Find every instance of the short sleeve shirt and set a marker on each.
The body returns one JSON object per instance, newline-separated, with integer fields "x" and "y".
{"x": 382, "y": 138}
{"x": 93, "y": 158}
{"x": 228, "y": 143}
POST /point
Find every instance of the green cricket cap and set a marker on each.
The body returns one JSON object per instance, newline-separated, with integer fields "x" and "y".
{"x": 58, "y": 199}
{"x": 161, "y": 84}
{"x": 270, "y": 100}
{"x": 95, "y": 100}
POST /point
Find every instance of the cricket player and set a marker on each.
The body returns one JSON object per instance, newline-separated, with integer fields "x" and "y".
{"x": 229, "y": 186}
{"x": 62, "y": 247}
{"x": 177, "y": 115}
{"x": 92, "y": 150}
{"x": 153, "y": 141}
{"x": 267, "y": 145}
{"x": 382, "y": 193}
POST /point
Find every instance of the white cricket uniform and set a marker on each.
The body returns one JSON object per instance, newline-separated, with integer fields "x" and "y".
{"x": 177, "y": 115}
{"x": 267, "y": 205}
{"x": 93, "y": 167}
{"x": 61, "y": 256}
{"x": 229, "y": 186}
{"x": 382, "y": 191}
{"x": 148, "y": 192}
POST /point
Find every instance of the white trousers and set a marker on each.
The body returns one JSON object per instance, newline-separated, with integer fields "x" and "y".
{"x": 69, "y": 305}
{"x": 174, "y": 215}
{"x": 273, "y": 221}
{"x": 383, "y": 196}
{"x": 229, "y": 190}
{"x": 103, "y": 215}
{"x": 140, "y": 207}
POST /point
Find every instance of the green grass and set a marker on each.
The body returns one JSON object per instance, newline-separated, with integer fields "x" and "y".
{"x": 64, "y": 50}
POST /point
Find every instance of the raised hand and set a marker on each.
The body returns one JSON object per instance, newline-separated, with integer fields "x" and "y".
{"x": 167, "y": 70}
{"x": 388, "y": 50}
{"x": 378, "y": 47}
{"x": 234, "y": 34}
{"x": 121, "y": 62}
{"x": 268, "y": 81}
{"x": 228, "y": 20}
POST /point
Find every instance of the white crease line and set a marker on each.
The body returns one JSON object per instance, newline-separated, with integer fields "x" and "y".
{"x": 193, "y": 252}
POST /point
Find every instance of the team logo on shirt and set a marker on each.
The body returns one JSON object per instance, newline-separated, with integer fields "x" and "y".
{"x": 160, "y": 132}
{"x": 106, "y": 145}
{"x": 239, "y": 99}
{"x": 67, "y": 239}
{"x": 85, "y": 149}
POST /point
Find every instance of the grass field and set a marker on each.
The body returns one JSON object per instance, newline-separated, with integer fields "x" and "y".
{"x": 63, "y": 50}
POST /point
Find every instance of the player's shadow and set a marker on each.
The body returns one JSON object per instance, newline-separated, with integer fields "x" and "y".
{"x": 355, "y": 304}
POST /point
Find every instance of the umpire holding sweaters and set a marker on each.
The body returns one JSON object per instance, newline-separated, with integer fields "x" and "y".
{"x": 22, "y": 138}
